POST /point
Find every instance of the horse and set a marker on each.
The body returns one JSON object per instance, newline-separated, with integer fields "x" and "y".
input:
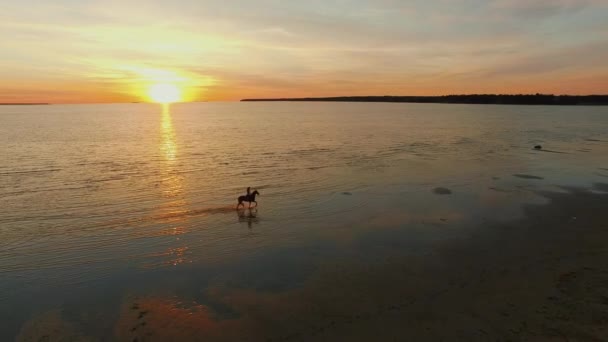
{"x": 248, "y": 198}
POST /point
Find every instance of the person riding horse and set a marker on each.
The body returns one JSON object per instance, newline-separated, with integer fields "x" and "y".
{"x": 250, "y": 197}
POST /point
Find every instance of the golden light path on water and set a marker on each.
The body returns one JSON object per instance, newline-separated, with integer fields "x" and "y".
{"x": 168, "y": 146}
{"x": 172, "y": 187}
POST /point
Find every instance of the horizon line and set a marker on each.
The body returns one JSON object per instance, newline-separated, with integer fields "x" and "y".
{"x": 303, "y": 98}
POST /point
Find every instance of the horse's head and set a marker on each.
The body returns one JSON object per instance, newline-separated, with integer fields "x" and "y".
{"x": 255, "y": 193}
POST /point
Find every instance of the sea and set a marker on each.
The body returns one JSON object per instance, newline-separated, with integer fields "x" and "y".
{"x": 110, "y": 212}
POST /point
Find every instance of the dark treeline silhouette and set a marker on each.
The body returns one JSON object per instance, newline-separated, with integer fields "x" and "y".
{"x": 522, "y": 99}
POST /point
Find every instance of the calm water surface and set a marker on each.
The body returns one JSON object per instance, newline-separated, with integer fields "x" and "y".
{"x": 103, "y": 205}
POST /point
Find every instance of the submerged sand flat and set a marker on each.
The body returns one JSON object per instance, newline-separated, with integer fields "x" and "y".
{"x": 543, "y": 277}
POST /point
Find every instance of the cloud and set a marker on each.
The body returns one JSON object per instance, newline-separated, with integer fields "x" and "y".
{"x": 543, "y": 8}
{"x": 590, "y": 56}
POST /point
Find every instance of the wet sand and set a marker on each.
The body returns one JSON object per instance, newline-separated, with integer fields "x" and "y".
{"x": 543, "y": 277}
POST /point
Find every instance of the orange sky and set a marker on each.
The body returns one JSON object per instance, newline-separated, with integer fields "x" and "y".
{"x": 72, "y": 51}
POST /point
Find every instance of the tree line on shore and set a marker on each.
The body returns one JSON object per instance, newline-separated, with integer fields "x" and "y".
{"x": 520, "y": 99}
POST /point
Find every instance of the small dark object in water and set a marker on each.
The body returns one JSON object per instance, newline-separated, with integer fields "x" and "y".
{"x": 442, "y": 191}
{"x": 347, "y": 193}
{"x": 525, "y": 176}
{"x": 538, "y": 147}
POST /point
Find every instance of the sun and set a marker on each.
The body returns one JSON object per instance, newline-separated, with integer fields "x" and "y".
{"x": 164, "y": 93}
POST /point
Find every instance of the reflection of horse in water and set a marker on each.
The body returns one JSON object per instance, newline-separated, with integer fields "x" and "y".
{"x": 250, "y": 217}
{"x": 248, "y": 198}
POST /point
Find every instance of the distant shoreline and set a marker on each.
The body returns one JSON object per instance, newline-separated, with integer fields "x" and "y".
{"x": 533, "y": 99}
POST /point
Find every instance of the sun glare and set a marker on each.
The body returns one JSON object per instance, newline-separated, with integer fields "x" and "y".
{"x": 164, "y": 93}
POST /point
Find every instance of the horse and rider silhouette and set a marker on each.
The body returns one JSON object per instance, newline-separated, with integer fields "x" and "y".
{"x": 250, "y": 197}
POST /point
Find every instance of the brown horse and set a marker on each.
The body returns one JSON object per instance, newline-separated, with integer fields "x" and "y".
{"x": 248, "y": 198}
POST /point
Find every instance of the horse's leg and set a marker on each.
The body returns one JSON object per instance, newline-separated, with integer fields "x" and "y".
{"x": 256, "y": 203}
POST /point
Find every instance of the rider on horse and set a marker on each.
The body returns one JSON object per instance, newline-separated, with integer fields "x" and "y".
{"x": 250, "y": 197}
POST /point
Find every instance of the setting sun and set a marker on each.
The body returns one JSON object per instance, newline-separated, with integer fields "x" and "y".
{"x": 164, "y": 93}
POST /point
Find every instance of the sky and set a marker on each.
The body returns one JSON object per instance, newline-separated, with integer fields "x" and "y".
{"x": 91, "y": 51}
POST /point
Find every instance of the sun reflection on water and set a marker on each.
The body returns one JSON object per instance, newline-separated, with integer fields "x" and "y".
{"x": 168, "y": 146}
{"x": 176, "y": 206}
{"x": 171, "y": 179}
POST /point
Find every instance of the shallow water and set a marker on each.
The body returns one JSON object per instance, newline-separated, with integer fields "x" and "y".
{"x": 104, "y": 204}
